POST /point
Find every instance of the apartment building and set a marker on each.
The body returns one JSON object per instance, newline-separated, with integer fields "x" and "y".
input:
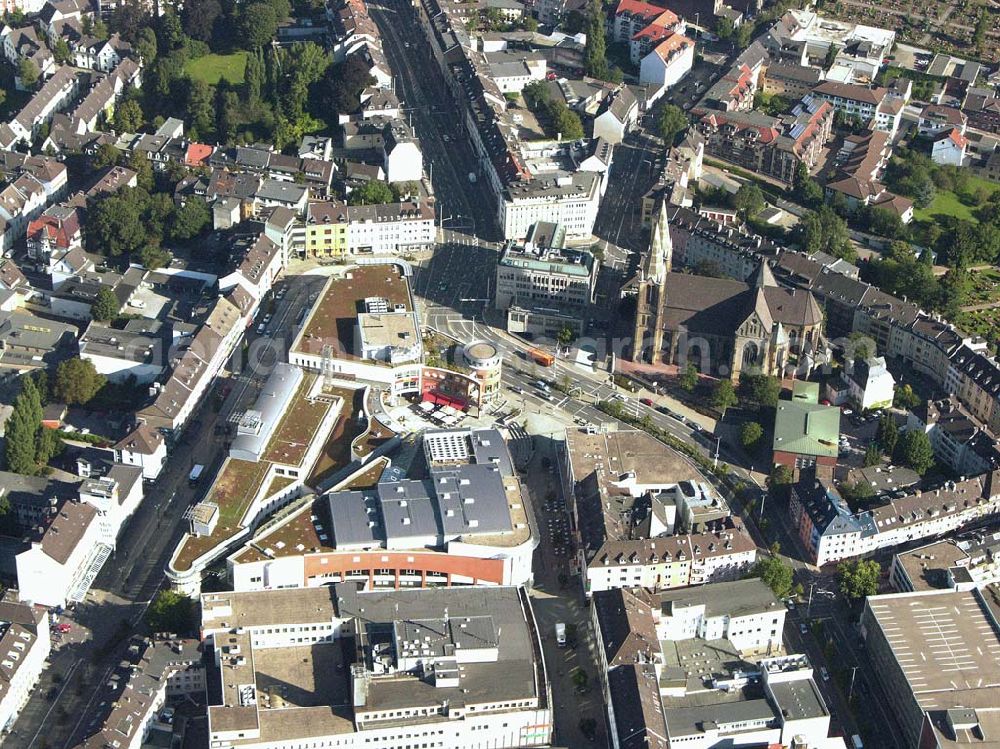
{"x": 960, "y": 441}
{"x": 445, "y": 667}
{"x": 866, "y": 104}
{"x": 71, "y": 542}
{"x": 667, "y": 62}
{"x": 195, "y": 369}
{"x": 790, "y": 80}
{"x": 570, "y": 199}
{"x": 774, "y": 146}
{"x": 336, "y": 229}
{"x": 830, "y": 531}
{"x": 154, "y": 669}
{"x": 970, "y": 561}
{"x": 24, "y": 650}
{"x": 644, "y": 516}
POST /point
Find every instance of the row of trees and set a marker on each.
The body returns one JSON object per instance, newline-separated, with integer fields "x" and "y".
{"x": 29, "y": 445}
{"x": 856, "y": 578}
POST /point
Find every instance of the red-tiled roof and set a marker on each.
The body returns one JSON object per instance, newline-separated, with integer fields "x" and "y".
{"x": 670, "y": 45}
{"x": 197, "y": 154}
{"x": 638, "y": 8}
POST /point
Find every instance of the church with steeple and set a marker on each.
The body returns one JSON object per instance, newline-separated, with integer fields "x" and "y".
{"x": 722, "y": 326}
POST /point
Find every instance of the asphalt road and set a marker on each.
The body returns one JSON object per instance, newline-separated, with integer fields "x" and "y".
{"x": 429, "y": 104}
{"x": 133, "y": 575}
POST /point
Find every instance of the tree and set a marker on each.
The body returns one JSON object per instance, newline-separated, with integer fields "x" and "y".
{"x": 169, "y": 31}
{"x": 904, "y": 397}
{"x": 775, "y": 573}
{"x": 199, "y": 17}
{"x": 22, "y": 430}
{"x": 858, "y": 578}
{"x": 824, "y": 231}
{"x": 887, "y": 433}
{"x": 566, "y": 336}
{"x": 258, "y": 25}
{"x": 781, "y": 477}
{"x": 760, "y": 389}
{"x": 567, "y": 123}
{"x": 106, "y": 306}
{"x": 749, "y": 201}
{"x": 671, "y": 121}
{"x": 873, "y": 455}
{"x": 373, "y": 192}
{"x": 200, "y": 108}
{"x": 344, "y": 84}
{"x": 146, "y": 46}
{"x": 253, "y": 76}
{"x": 105, "y": 155}
{"x": 171, "y": 612}
{"x": 724, "y": 27}
{"x": 595, "y": 60}
{"x": 915, "y": 451}
{"x": 831, "y": 56}
{"x": 27, "y": 72}
{"x": 128, "y": 117}
{"x": 750, "y": 435}
{"x": 982, "y": 28}
{"x": 189, "y": 220}
{"x": 689, "y": 377}
{"x": 806, "y": 190}
{"x": 77, "y": 381}
{"x": 858, "y": 492}
{"x": 743, "y": 36}
{"x": 61, "y": 51}
{"x": 724, "y": 396}
{"x": 115, "y": 227}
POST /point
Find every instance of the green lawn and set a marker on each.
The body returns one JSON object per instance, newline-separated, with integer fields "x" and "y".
{"x": 946, "y": 203}
{"x": 213, "y": 68}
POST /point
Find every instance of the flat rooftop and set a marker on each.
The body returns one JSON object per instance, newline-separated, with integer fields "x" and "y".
{"x": 627, "y": 451}
{"x": 304, "y": 691}
{"x": 927, "y": 566}
{"x": 307, "y": 531}
{"x": 734, "y": 599}
{"x": 334, "y": 317}
{"x": 799, "y": 699}
{"x": 298, "y": 427}
{"x": 233, "y": 491}
{"x": 945, "y": 643}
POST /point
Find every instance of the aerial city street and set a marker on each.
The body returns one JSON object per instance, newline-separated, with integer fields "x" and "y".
{"x": 499, "y": 374}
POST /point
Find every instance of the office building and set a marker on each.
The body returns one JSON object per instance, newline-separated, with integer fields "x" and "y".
{"x": 450, "y": 667}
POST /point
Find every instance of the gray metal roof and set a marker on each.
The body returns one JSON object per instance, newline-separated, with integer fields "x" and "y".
{"x": 409, "y": 512}
{"x": 357, "y": 520}
{"x": 488, "y": 446}
{"x": 471, "y": 499}
{"x": 270, "y": 406}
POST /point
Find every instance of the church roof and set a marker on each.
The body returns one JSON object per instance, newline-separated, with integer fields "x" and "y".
{"x": 718, "y": 305}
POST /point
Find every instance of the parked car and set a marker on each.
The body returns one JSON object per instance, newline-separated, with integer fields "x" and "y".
{"x": 646, "y": 402}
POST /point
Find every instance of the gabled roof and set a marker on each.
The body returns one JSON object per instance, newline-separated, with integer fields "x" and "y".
{"x": 142, "y": 439}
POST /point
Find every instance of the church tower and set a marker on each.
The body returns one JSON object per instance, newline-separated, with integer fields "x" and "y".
{"x": 651, "y": 297}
